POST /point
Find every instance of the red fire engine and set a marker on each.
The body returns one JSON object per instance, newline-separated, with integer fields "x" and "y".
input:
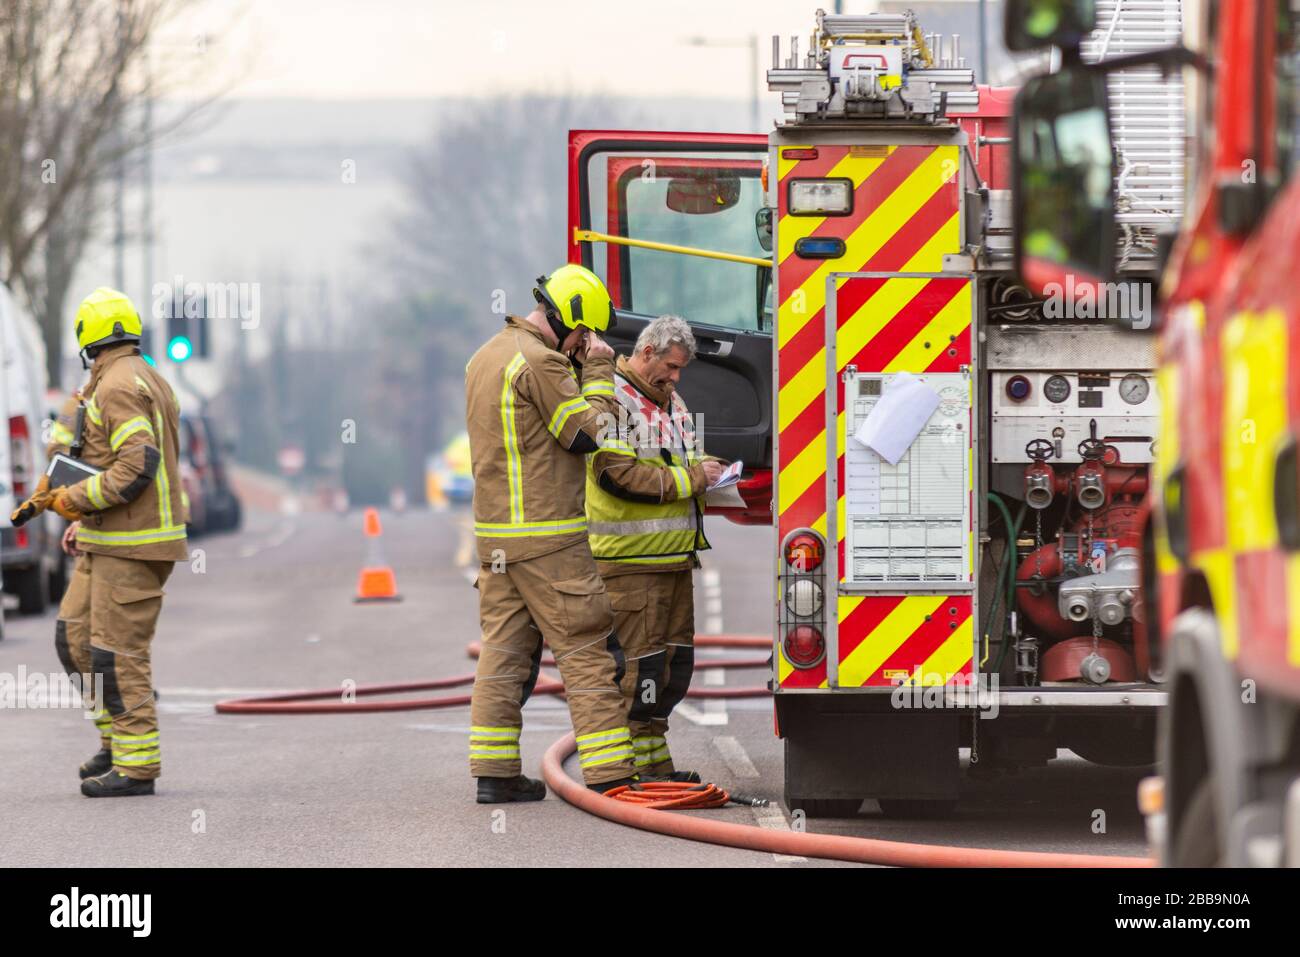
{"x": 954, "y": 472}
{"x": 1221, "y": 562}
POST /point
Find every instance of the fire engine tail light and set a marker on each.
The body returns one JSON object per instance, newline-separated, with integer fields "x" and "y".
{"x": 804, "y": 597}
{"x": 820, "y": 197}
{"x": 804, "y": 552}
{"x": 804, "y": 646}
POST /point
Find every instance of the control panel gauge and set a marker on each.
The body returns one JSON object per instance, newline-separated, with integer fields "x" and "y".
{"x": 1056, "y": 389}
{"x": 1134, "y": 388}
{"x": 952, "y": 401}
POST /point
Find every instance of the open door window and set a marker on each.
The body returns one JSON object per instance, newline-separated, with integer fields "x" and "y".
{"x": 673, "y": 223}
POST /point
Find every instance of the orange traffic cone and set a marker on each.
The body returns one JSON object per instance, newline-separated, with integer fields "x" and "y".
{"x": 377, "y": 581}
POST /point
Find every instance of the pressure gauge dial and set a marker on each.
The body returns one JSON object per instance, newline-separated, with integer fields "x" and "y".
{"x": 952, "y": 401}
{"x": 1056, "y": 389}
{"x": 1134, "y": 388}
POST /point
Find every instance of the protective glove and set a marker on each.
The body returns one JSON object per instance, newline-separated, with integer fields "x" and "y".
{"x": 37, "y": 503}
{"x": 62, "y": 504}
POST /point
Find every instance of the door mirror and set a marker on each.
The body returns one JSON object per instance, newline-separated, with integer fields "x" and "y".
{"x": 1063, "y": 204}
{"x": 763, "y": 227}
{"x": 1038, "y": 24}
{"x": 707, "y": 191}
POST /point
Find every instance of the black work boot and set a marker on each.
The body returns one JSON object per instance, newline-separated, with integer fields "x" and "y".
{"x": 506, "y": 790}
{"x": 115, "y": 784}
{"x": 94, "y": 767}
{"x": 605, "y": 786}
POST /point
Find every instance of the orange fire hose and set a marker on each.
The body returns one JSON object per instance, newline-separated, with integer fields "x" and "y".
{"x": 340, "y": 701}
{"x": 860, "y": 850}
{"x": 643, "y": 808}
{"x": 671, "y": 795}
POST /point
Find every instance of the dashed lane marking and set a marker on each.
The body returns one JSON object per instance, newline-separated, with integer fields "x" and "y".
{"x": 772, "y": 818}
{"x": 733, "y": 752}
{"x": 277, "y": 538}
{"x": 712, "y": 580}
{"x": 696, "y": 716}
{"x": 165, "y": 693}
{"x": 716, "y": 678}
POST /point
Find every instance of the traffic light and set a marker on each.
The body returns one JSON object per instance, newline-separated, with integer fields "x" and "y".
{"x": 187, "y": 336}
{"x": 179, "y": 349}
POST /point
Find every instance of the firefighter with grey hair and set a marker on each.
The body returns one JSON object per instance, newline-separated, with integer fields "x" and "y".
{"x": 645, "y": 518}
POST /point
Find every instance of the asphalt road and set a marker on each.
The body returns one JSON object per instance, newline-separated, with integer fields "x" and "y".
{"x": 271, "y": 609}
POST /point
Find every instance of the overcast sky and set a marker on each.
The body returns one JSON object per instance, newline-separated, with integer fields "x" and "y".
{"x": 365, "y": 49}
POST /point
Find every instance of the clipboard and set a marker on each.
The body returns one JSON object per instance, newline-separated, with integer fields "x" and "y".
{"x": 64, "y": 470}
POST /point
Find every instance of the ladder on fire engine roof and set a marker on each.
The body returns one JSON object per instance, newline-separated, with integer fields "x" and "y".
{"x": 1147, "y": 119}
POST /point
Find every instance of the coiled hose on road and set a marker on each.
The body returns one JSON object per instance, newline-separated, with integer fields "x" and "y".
{"x": 859, "y": 850}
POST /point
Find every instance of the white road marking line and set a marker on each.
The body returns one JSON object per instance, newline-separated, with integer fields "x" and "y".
{"x": 165, "y": 693}
{"x": 716, "y": 707}
{"x": 278, "y": 538}
{"x": 695, "y": 716}
{"x": 283, "y": 535}
{"x": 184, "y": 707}
{"x": 464, "y": 729}
{"x": 734, "y": 754}
{"x": 772, "y": 818}
{"x": 712, "y": 580}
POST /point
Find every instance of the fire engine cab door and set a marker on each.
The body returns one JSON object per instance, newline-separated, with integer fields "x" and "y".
{"x": 701, "y": 191}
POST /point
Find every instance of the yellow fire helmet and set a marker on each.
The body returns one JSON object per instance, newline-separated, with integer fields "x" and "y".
{"x": 574, "y": 296}
{"x": 107, "y": 316}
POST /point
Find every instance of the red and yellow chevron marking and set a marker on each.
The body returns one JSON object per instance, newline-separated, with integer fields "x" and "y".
{"x": 905, "y": 219}
{"x": 913, "y": 325}
{"x": 926, "y": 639}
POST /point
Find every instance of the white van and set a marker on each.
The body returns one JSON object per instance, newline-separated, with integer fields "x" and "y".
{"x": 35, "y": 568}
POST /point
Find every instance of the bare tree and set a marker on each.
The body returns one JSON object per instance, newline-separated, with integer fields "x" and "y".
{"x": 72, "y": 77}
{"x": 485, "y": 201}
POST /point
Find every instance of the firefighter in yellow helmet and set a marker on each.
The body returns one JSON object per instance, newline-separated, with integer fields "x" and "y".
{"x": 532, "y": 417}
{"x": 76, "y": 661}
{"x": 645, "y": 515}
{"x": 130, "y": 529}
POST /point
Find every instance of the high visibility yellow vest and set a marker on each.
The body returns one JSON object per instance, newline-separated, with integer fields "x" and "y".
{"x": 642, "y": 532}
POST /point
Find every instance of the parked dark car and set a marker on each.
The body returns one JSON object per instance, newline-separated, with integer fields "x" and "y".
{"x": 214, "y": 506}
